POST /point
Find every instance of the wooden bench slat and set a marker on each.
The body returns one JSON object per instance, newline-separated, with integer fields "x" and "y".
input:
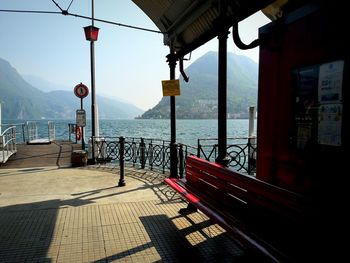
{"x": 245, "y": 237}
{"x": 258, "y": 214}
{"x": 259, "y": 191}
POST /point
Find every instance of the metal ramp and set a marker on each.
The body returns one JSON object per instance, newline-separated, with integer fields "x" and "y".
{"x": 8, "y": 145}
{"x": 32, "y": 133}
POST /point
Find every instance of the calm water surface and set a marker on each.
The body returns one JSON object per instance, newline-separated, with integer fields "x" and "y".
{"x": 188, "y": 131}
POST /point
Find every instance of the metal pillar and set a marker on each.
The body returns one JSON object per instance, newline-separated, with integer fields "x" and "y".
{"x": 223, "y": 32}
{"x": 93, "y": 96}
{"x": 82, "y": 128}
{"x": 171, "y": 59}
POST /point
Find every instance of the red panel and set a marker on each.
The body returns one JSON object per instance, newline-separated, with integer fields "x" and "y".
{"x": 308, "y": 40}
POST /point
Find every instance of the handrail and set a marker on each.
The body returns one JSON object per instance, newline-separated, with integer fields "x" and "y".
{"x": 20, "y": 130}
{"x": 32, "y": 131}
{"x": 51, "y": 130}
{"x": 8, "y": 144}
{"x": 33, "y": 134}
{"x": 72, "y": 129}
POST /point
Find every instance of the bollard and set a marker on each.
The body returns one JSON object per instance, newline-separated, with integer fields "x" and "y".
{"x": 121, "y": 161}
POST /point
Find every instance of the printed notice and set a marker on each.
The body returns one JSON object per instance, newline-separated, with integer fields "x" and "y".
{"x": 171, "y": 87}
{"x": 330, "y": 82}
{"x": 329, "y": 124}
{"x": 80, "y": 118}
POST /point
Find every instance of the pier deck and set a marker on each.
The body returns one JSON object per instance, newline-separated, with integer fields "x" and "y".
{"x": 55, "y": 213}
{"x": 58, "y": 153}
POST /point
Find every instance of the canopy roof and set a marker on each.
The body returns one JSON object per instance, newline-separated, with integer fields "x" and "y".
{"x": 188, "y": 24}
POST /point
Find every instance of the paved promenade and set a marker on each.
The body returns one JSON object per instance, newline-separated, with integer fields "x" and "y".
{"x": 61, "y": 214}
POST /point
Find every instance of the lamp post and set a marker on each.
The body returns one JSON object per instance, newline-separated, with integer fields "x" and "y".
{"x": 91, "y": 34}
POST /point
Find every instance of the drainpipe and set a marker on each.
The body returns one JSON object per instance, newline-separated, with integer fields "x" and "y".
{"x": 186, "y": 78}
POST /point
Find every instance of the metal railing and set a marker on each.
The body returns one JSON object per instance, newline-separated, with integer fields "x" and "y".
{"x": 72, "y": 129}
{"x": 8, "y": 144}
{"x": 141, "y": 152}
{"x": 32, "y": 131}
{"x": 51, "y": 130}
{"x": 20, "y": 130}
{"x": 241, "y": 152}
{"x": 155, "y": 153}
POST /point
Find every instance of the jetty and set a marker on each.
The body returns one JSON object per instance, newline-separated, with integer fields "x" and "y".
{"x": 52, "y": 212}
{"x": 280, "y": 196}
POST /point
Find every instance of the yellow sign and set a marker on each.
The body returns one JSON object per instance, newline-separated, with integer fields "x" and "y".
{"x": 171, "y": 87}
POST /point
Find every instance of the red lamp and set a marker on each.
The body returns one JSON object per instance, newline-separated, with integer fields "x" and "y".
{"x": 91, "y": 33}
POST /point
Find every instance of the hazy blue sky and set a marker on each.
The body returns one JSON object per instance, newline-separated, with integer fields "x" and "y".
{"x": 130, "y": 64}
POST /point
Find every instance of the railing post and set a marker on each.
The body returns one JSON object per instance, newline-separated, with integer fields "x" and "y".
{"x": 14, "y": 139}
{"x": 251, "y": 140}
{"x": 48, "y": 131}
{"x": 164, "y": 161}
{"x": 23, "y": 132}
{"x": 142, "y": 153}
{"x": 27, "y": 129}
{"x": 75, "y": 134}
{"x": 121, "y": 161}
{"x": 150, "y": 154}
{"x": 199, "y": 148}
{"x": 251, "y": 156}
{"x": 181, "y": 161}
{"x": 133, "y": 152}
{"x": 69, "y": 132}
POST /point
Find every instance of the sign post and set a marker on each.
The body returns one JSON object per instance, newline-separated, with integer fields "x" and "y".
{"x": 81, "y": 91}
{"x": 172, "y": 88}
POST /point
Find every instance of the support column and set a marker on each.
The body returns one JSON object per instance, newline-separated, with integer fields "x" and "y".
{"x": 223, "y": 32}
{"x": 171, "y": 59}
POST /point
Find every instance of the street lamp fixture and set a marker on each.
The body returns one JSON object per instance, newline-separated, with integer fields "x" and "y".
{"x": 91, "y": 33}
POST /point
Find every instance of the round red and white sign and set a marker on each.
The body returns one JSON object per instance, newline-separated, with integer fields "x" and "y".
{"x": 81, "y": 91}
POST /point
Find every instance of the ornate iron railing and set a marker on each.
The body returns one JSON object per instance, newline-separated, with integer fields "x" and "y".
{"x": 241, "y": 152}
{"x": 142, "y": 152}
{"x": 155, "y": 153}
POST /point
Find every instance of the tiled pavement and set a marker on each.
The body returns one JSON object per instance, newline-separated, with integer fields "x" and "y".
{"x": 79, "y": 215}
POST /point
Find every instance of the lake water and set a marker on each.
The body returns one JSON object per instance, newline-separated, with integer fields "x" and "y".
{"x": 188, "y": 131}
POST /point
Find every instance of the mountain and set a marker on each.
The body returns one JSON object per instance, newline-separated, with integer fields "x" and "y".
{"x": 20, "y": 100}
{"x": 198, "y": 99}
{"x": 43, "y": 84}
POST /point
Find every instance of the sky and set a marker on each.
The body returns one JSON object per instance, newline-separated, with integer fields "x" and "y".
{"x": 129, "y": 64}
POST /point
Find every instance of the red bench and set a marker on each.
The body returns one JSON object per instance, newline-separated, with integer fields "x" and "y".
{"x": 264, "y": 218}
